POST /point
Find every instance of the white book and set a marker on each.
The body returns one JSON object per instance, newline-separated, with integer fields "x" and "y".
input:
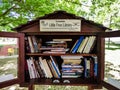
{"x": 30, "y": 44}
{"x": 91, "y": 44}
{"x": 87, "y": 45}
{"x": 43, "y": 67}
{"x": 64, "y": 57}
{"x": 30, "y": 69}
{"x": 83, "y": 45}
{"x": 34, "y": 68}
{"x": 47, "y": 69}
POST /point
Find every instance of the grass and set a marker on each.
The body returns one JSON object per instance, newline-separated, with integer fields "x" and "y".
{"x": 112, "y": 46}
{"x": 8, "y": 66}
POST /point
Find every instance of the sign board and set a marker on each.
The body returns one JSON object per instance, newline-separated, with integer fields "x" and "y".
{"x": 60, "y": 25}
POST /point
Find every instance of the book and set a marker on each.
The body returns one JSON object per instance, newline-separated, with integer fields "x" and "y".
{"x": 30, "y": 44}
{"x": 47, "y": 69}
{"x": 73, "y": 46}
{"x": 43, "y": 67}
{"x": 31, "y": 74}
{"x": 95, "y": 66}
{"x": 71, "y": 61}
{"x": 31, "y": 67}
{"x": 54, "y": 52}
{"x": 71, "y": 57}
{"x": 77, "y": 44}
{"x": 54, "y": 42}
{"x": 40, "y": 71}
{"x": 90, "y": 44}
{"x": 69, "y": 39}
{"x": 55, "y": 67}
{"x": 34, "y": 68}
{"x": 27, "y": 75}
{"x": 92, "y": 39}
{"x": 27, "y": 46}
{"x": 71, "y": 76}
{"x": 90, "y": 67}
{"x": 81, "y": 47}
{"x": 86, "y": 68}
{"x": 51, "y": 48}
{"x": 87, "y": 44}
{"x": 55, "y": 75}
{"x": 35, "y": 45}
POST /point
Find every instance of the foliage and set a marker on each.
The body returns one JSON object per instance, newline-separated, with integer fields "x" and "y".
{"x": 17, "y": 12}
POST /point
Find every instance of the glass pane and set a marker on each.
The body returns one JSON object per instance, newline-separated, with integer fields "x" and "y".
{"x": 112, "y": 61}
{"x": 8, "y": 58}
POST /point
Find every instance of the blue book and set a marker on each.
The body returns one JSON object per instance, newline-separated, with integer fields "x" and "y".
{"x": 55, "y": 67}
{"x": 95, "y": 67}
{"x": 78, "y": 44}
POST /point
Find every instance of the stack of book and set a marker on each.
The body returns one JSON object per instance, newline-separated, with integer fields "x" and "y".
{"x": 72, "y": 71}
{"x": 59, "y": 47}
{"x": 71, "y": 67}
{"x": 33, "y": 45}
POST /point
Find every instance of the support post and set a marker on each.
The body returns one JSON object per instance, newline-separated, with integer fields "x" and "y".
{"x": 31, "y": 87}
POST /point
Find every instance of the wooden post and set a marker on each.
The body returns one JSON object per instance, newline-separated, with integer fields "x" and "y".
{"x": 90, "y": 88}
{"x": 31, "y": 87}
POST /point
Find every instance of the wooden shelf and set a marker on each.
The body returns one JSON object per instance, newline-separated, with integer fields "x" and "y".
{"x": 67, "y": 54}
{"x": 64, "y": 81}
{"x": 61, "y": 33}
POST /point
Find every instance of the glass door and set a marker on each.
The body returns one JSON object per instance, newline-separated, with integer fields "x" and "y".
{"x": 11, "y": 46}
{"x": 111, "y": 79}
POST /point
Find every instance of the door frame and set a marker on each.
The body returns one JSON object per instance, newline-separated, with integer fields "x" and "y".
{"x": 20, "y": 61}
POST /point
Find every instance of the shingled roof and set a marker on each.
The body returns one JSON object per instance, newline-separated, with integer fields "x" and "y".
{"x": 60, "y": 15}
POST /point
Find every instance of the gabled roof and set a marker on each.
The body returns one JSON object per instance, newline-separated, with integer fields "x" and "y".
{"x": 60, "y": 15}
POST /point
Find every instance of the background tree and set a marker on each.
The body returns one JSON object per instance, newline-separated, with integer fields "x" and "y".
{"x": 16, "y": 12}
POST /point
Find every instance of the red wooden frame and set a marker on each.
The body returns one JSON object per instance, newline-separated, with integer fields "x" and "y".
{"x": 20, "y": 61}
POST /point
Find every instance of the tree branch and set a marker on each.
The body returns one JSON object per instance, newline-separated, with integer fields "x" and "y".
{"x": 7, "y": 11}
{"x": 77, "y": 3}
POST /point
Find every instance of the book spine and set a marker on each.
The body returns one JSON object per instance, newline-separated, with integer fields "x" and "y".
{"x": 30, "y": 69}
{"x": 53, "y": 69}
{"x": 95, "y": 66}
{"x": 47, "y": 69}
{"x": 42, "y": 66}
{"x": 77, "y": 44}
{"x": 35, "y": 43}
{"x": 30, "y": 44}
